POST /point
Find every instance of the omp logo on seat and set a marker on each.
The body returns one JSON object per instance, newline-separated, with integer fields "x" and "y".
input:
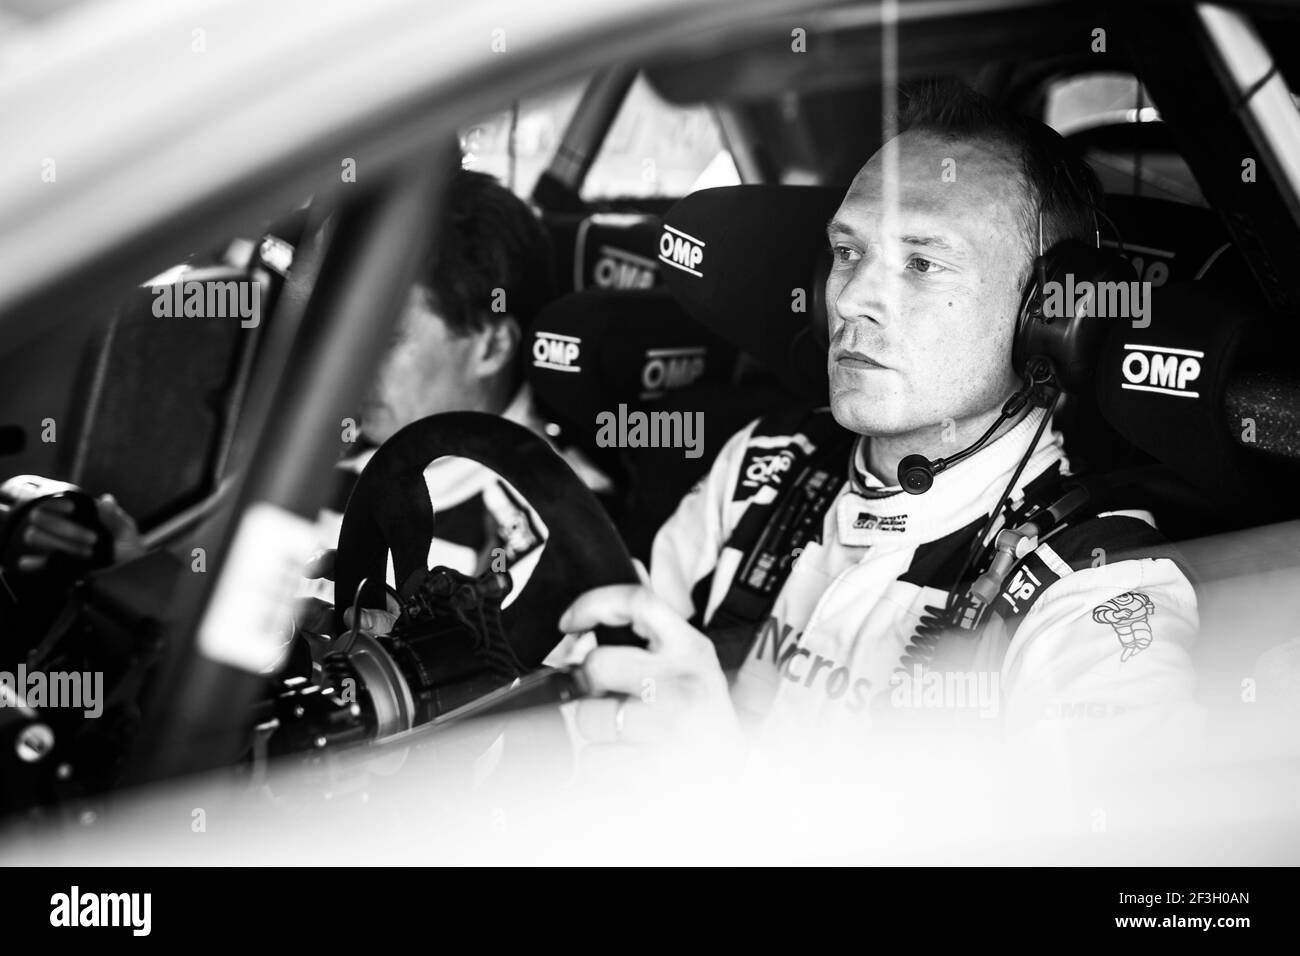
{"x": 1166, "y": 371}
{"x": 620, "y": 269}
{"x": 1151, "y": 264}
{"x": 671, "y": 368}
{"x": 556, "y": 352}
{"x": 681, "y": 251}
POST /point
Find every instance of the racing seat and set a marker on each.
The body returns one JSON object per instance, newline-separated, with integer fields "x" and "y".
{"x": 606, "y": 250}
{"x": 1168, "y": 243}
{"x": 1157, "y": 218}
{"x": 616, "y": 353}
{"x": 1173, "y": 242}
{"x": 747, "y": 262}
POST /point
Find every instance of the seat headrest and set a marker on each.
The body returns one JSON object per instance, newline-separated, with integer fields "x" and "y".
{"x": 591, "y": 351}
{"x": 616, "y": 251}
{"x": 1175, "y": 387}
{"x": 1172, "y": 242}
{"x": 743, "y": 260}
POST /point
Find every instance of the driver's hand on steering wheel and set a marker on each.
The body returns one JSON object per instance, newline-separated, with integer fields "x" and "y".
{"x": 52, "y": 530}
{"x": 315, "y": 616}
{"x": 676, "y": 690}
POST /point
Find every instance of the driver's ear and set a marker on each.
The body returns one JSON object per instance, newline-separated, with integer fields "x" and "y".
{"x": 497, "y": 345}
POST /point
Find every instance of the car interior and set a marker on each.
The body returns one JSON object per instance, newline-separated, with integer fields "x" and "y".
{"x": 155, "y": 419}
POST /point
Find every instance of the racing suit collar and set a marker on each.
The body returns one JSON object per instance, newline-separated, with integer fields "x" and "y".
{"x": 870, "y": 512}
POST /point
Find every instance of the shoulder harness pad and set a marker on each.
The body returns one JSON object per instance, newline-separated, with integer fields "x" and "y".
{"x": 1089, "y": 543}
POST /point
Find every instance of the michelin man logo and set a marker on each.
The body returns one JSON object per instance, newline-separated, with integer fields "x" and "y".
{"x": 1128, "y": 614}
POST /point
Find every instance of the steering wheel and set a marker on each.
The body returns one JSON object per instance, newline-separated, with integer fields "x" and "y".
{"x": 389, "y": 511}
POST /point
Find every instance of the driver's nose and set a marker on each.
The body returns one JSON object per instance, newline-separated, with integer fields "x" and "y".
{"x": 864, "y": 295}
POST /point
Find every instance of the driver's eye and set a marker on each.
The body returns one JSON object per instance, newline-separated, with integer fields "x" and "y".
{"x": 923, "y": 265}
{"x": 842, "y": 253}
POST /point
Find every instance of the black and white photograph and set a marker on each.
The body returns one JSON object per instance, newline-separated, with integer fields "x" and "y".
{"x": 647, "y": 434}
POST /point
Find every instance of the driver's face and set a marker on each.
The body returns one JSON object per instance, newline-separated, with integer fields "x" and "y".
{"x": 921, "y": 297}
{"x": 427, "y": 370}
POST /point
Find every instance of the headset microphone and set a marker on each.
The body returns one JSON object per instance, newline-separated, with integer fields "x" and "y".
{"x": 916, "y": 472}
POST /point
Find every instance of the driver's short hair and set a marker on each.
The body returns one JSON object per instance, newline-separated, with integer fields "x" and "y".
{"x": 1056, "y": 179}
{"x": 491, "y": 256}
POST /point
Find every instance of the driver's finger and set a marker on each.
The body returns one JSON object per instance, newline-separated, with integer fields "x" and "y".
{"x": 372, "y": 619}
{"x": 28, "y": 563}
{"x": 113, "y": 516}
{"x": 642, "y": 574}
{"x": 321, "y": 565}
{"x": 63, "y": 506}
{"x": 631, "y": 604}
{"x": 379, "y": 622}
{"x": 62, "y": 526}
{"x": 614, "y": 669}
{"x": 41, "y": 539}
{"x": 313, "y": 615}
{"x": 614, "y": 720}
{"x": 44, "y": 510}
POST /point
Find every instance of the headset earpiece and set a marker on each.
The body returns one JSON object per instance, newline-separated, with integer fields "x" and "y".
{"x": 1066, "y": 339}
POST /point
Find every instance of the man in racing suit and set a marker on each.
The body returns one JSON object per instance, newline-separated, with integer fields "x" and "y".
{"x": 927, "y": 280}
{"x": 1085, "y": 638}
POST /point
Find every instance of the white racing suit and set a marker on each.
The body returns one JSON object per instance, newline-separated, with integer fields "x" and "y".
{"x": 1089, "y": 636}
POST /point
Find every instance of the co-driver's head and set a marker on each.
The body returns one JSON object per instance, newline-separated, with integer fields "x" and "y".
{"x": 457, "y": 345}
{"x": 924, "y": 290}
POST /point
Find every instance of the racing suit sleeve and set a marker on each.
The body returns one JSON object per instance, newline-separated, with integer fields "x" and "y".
{"x": 687, "y": 546}
{"x": 1104, "y": 656}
